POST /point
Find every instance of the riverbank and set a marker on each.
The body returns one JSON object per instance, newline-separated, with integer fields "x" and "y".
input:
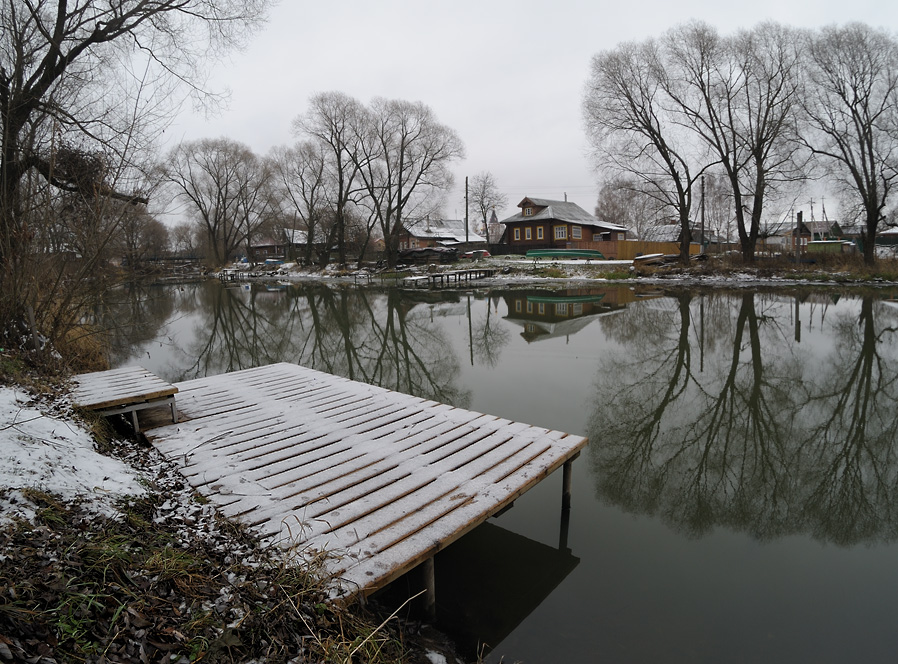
{"x": 106, "y": 554}
{"x": 717, "y": 270}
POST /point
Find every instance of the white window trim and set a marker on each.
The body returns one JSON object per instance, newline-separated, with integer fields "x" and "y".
{"x": 560, "y": 232}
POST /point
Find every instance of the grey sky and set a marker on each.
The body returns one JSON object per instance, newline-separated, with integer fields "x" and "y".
{"x": 507, "y": 76}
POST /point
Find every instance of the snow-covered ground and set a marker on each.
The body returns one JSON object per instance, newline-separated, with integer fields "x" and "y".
{"x": 53, "y": 453}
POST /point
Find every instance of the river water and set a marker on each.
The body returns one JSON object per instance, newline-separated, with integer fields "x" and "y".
{"x": 738, "y": 500}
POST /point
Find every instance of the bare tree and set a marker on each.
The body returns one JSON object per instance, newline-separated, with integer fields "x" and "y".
{"x": 403, "y": 162}
{"x": 300, "y": 183}
{"x": 334, "y": 120}
{"x": 852, "y": 105}
{"x": 739, "y": 95}
{"x": 183, "y": 239}
{"x": 485, "y": 196}
{"x": 624, "y": 200}
{"x": 631, "y": 132}
{"x": 99, "y": 76}
{"x": 221, "y": 182}
{"x": 140, "y": 236}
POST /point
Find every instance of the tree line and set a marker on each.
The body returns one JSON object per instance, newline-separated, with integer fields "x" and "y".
{"x": 356, "y": 173}
{"x": 764, "y": 110}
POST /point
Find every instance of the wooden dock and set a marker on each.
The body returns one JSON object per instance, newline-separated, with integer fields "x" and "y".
{"x": 123, "y": 391}
{"x": 379, "y": 479}
{"x": 448, "y": 278}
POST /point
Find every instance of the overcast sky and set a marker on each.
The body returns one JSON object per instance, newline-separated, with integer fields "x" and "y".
{"x": 507, "y": 76}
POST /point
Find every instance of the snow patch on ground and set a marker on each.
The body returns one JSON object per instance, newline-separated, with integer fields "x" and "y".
{"x": 56, "y": 455}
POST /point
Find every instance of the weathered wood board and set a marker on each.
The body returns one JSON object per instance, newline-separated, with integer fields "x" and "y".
{"x": 118, "y": 387}
{"x": 380, "y": 479}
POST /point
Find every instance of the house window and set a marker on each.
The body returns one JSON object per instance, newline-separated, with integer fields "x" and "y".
{"x": 561, "y": 232}
{"x": 577, "y": 309}
{"x": 561, "y": 309}
{"x": 621, "y": 237}
{"x": 576, "y": 232}
{"x": 530, "y": 307}
{"x": 528, "y": 212}
{"x": 539, "y": 232}
{"x": 596, "y": 237}
{"x": 542, "y": 308}
{"x": 517, "y": 306}
{"x": 517, "y": 234}
{"x": 528, "y": 233}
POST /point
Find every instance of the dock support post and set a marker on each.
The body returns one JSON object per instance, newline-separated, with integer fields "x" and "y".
{"x": 566, "y": 485}
{"x": 565, "y": 530}
{"x": 430, "y": 587}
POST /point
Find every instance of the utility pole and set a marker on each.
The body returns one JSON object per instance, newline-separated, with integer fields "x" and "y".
{"x": 467, "y": 207}
{"x": 703, "y": 215}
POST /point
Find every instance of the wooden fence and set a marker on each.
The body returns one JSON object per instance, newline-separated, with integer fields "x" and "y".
{"x": 630, "y": 249}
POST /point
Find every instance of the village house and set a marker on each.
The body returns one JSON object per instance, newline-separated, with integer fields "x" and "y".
{"x": 548, "y": 224}
{"x": 265, "y": 248}
{"x": 440, "y": 233}
{"x": 803, "y": 232}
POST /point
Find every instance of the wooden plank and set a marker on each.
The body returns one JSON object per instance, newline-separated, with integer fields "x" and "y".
{"x": 117, "y": 387}
{"x": 381, "y": 479}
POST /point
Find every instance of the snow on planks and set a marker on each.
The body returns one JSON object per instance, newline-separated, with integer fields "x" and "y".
{"x": 118, "y": 387}
{"x": 380, "y": 479}
{"x": 124, "y": 390}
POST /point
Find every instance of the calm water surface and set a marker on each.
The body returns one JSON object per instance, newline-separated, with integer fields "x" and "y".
{"x": 738, "y": 500}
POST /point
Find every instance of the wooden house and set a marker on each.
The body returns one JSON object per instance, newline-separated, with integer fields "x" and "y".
{"x": 548, "y": 224}
{"x": 449, "y": 233}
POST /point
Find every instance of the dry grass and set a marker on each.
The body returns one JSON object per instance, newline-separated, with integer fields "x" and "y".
{"x": 82, "y": 588}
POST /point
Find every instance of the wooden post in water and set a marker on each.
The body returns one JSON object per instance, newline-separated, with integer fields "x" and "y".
{"x": 565, "y": 529}
{"x": 430, "y": 586}
{"x": 566, "y": 484}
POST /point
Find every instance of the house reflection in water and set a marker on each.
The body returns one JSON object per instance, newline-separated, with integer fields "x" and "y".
{"x": 545, "y": 314}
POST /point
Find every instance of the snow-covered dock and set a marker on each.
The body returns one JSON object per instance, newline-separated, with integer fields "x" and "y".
{"x": 380, "y": 479}
{"x": 123, "y": 390}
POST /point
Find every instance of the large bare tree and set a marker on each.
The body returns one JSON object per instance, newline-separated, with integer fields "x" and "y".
{"x": 301, "y": 190}
{"x": 851, "y": 102}
{"x": 404, "y": 163}
{"x": 96, "y": 76}
{"x": 333, "y": 119}
{"x": 632, "y": 134}
{"x": 223, "y": 184}
{"x": 739, "y": 94}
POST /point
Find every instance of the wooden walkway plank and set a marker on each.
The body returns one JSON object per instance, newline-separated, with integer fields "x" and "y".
{"x": 341, "y": 485}
{"x": 123, "y": 391}
{"x": 384, "y": 509}
{"x": 105, "y": 389}
{"x": 374, "y": 570}
{"x": 332, "y": 474}
{"x": 380, "y": 479}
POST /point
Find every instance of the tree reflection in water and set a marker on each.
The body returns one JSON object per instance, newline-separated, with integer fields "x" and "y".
{"x": 763, "y": 434}
{"x": 379, "y": 337}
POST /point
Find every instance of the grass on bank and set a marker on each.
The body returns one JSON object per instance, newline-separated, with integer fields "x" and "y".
{"x": 83, "y": 588}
